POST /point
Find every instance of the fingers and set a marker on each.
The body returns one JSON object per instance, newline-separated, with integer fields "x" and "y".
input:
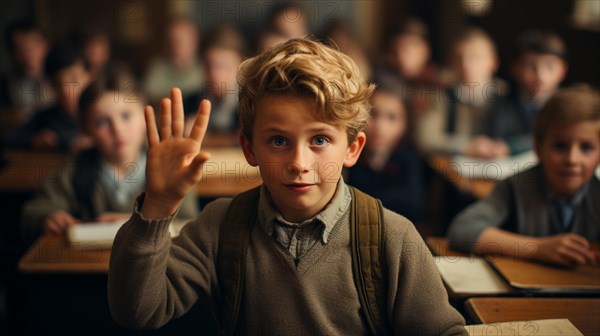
{"x": 165, "y": 119}
{"x": 178, "y": 115}
{"x": 579, "y": 240}
{"x": 151, "y": 130}
{"x": 201, "y": 122}
{"x": 581, "y": 254}
{"x": 575, "y": 250}
{"x": 58, "y": 223}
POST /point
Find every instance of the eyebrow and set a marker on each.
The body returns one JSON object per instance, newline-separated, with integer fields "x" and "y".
{"x": 314, "y": 129}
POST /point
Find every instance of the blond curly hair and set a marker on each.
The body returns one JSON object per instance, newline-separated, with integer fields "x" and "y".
{"x": 306, "y": 68}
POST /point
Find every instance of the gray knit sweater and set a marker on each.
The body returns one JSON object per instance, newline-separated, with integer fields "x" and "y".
{"x": 153, "y": 279}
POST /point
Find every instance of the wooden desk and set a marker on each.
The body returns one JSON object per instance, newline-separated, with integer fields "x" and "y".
{"x": 583, "y": 313}
{"x": 444, "y": 166}
{"x": 439, "y": 246}
{"x": 51, "y": 254}
{"x": 226, "y": 174}
{"x": 530, "y": 275}
{"x": 25, "y": 171}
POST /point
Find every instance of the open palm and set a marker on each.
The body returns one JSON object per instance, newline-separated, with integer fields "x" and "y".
{"x": 174, "y": 163}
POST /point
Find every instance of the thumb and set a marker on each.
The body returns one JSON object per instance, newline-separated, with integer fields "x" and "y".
{"x": 196, "y": 165}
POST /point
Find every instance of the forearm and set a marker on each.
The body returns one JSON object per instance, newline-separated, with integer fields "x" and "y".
{"x": 153, "y": 279}
{"x": 497, "y": 241}
{"x": 137, "y": 267}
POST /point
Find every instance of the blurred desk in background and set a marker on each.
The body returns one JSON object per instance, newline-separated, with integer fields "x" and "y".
{"x": 444, "y": 166}
{"x": 226, "y": 173}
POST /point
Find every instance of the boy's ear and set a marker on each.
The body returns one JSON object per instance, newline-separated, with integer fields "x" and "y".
{"x": 354, "y": 149}
{"x": 565, "y": 69}
{"x": 247, "y": 149}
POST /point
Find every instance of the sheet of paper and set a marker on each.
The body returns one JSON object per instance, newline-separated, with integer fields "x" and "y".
{"x": 496, "y": 169}
{"x": 470, "y": 275}
{"x": 102, "y": 235}
{"x": 538, "y": 327}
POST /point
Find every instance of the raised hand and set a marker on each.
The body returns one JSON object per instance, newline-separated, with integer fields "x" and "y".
{"x": 174, "y": 163}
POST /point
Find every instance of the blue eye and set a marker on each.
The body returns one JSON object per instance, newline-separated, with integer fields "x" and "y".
{"x": 278, "y": 141}
{"x": 320, "y": 140}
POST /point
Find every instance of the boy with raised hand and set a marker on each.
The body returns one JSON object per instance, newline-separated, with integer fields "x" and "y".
{"x": 302, "y": 110}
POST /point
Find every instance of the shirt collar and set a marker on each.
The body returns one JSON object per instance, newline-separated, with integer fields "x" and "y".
{"x": 268, "y": 215}
{"x": 574, "y": 200}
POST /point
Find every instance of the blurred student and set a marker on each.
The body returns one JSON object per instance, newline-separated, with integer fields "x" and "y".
{"x": 268, "y": 39}
{"x": 95, "y": 46}
{"x": 56, "y": 127}
{"x": 548, "y": 212}
{"x": 340, "y": 36}
{"x": 222, "y": 51}
{"x": 389, "y": 169}
{"x": 289, "y": 19}
{"x": 539, "y": 66}
{"x": 25, "y": 88}
{"x": 101, "y": 183}
{"x": 407, "y": 59}
{"x": 180, "y": 66}
{"x": 457, "y": 116}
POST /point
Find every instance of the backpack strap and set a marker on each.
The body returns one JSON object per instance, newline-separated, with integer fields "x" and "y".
{"x": 85, "y": 177}
{"x": 234, "y": 236}
{"x": 366, "y": 218}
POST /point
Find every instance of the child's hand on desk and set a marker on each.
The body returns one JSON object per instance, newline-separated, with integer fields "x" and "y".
{"x": 174, "y": 164}
{"x": 486, "y": 148}
{"x": 58, "y": 222}
{"x": 568, "y": 249}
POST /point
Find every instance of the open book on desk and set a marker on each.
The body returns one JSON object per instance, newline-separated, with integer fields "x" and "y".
{"x": 470, "y": 276}
{"x": 100, "y": 235}
{"x": 553, "y": 327}
{"x": 494, "y": 169}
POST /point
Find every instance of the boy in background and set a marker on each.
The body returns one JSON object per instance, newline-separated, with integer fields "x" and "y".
{"x": 180, "y": 65}
{"x": 389, "y": 169}
{"x": 222, "y": 51}
{"x": 56, "y": 127}
{"x": 456, "y": 117}
{"x": 101, "y": 183}
{"x": 539, "y": 66}
{"x": 408, "y": 60}
{"x": 548, "y": 212}
{"x": 302, "y": 110}
{"x": 25, "y": 89}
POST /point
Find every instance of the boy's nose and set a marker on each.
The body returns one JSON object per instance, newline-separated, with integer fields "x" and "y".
{"x": 117, "y": 128}
{"x": 298, "y": 163}
{"x": 573, "y": 155}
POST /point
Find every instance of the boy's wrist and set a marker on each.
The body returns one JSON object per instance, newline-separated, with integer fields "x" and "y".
{"x": 154, "y": 208}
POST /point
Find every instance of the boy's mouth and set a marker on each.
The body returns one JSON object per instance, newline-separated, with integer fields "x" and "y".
{"x": 299, "y": 187}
